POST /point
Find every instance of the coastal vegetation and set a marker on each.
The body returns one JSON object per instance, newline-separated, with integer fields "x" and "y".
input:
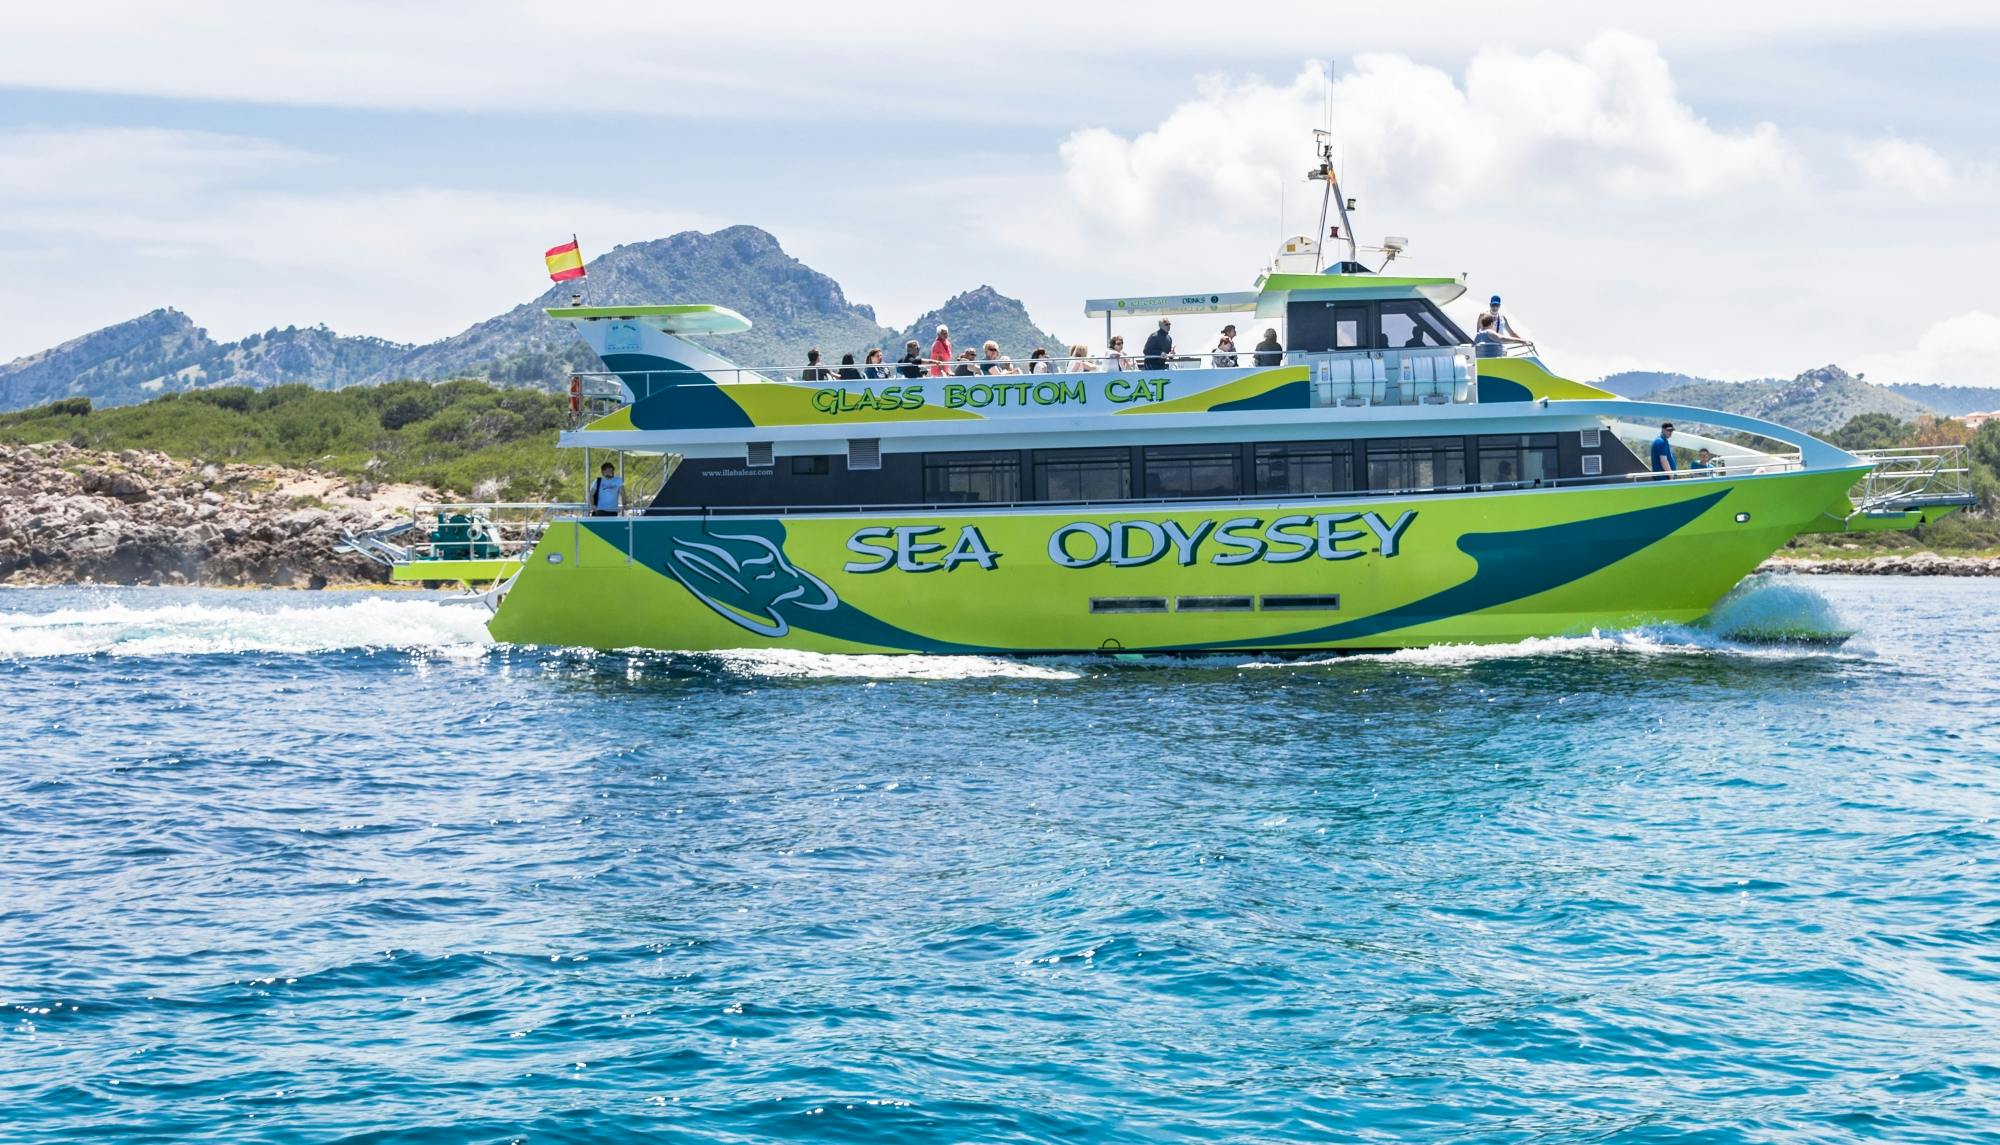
{"x": 470, "y": 437}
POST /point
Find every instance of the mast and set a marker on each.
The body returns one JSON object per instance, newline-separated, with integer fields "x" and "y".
{"x": 1325, "y": 173}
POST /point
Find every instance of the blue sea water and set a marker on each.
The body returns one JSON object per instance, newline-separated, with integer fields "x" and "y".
{"x": 330, "y": 867}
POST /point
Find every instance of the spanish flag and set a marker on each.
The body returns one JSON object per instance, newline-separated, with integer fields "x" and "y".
{"x": 564, "y": 261}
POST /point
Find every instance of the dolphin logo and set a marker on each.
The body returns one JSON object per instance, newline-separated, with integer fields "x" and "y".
{"x": 746, "y": 579}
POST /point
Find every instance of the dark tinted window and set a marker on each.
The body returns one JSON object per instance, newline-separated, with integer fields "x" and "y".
{"x": 1305, "y": 467}
{"x": 1192, "y": 471}
{"x": 1083, "y": 474}
{"x": 1416, "y": 462}
{"x": 953, "y": 477}
{"x": 816, "y": 466}
{"x": 1313, "y": 326}
{"x": 1514, "y": 458}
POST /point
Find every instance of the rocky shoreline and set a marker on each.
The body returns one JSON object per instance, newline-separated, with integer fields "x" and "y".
{"x": 70, "y": 516}
{"x": 1914, "y": 564}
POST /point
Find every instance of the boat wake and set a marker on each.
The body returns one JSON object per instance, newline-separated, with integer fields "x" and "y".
{"x": 117, "y": 628}
{"x": 1764, "y": 617}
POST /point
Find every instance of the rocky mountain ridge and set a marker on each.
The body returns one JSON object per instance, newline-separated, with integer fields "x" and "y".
{"x": 791, "y": 306}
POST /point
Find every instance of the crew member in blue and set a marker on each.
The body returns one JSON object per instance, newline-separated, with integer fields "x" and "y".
{"x": 1663, "y": 452}
{"x": 607, "y": 493}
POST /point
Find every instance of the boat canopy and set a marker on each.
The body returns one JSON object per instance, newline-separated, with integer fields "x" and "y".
{"x": 1274, "y": 291}
{"x": 678, "y": 318}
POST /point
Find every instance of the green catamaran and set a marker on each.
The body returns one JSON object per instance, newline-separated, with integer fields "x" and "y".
{"x": 1375, "y": 484}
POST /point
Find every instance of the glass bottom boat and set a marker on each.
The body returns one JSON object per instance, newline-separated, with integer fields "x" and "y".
{"x": 1377, "y": 483}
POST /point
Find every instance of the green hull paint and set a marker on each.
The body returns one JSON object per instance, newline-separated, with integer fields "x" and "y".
{"x": 468, "y": 572}
{"x": 1469, "y": 567}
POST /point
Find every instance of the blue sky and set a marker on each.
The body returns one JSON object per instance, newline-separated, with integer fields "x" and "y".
{"x": 1727, "y": 189}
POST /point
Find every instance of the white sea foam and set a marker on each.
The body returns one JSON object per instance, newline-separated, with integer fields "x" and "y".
{"x": 784, "y": 663}
{"x": 118, "y": 628}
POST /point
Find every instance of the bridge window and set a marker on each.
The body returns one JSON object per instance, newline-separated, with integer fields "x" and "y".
{"x": 1512, "y": 458}
{"x": 1414, "y": 324}
{"x": 1083, "y": 474}
{"x": 1319, "y": 326}
{"x": 1416, "y": 463}
{"x": 1305, "y": 467}
{"x": 1192, "y": 471}
{"x": 967, "y": 477}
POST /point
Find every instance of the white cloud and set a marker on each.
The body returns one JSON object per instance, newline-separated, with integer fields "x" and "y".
{"x": 645, "y": 58}
{"x": 1605, "y": 121}
{"x": 1902, "y": 166}
{"x": 1958, "y": 351}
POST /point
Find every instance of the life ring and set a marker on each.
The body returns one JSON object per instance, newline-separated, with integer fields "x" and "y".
{"x": 575, "y": 394}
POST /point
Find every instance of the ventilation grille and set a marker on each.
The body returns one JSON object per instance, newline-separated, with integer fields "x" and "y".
{"x": 1212, "y": 604}
{"x": 1593, "y": 465}
{"x": 1128, "y": 604}
{"x": 757, "y": 455}
{"x": 864, "y": 453}
{"x": 1591, "y": 438}
{"x": 1327, "y": 603}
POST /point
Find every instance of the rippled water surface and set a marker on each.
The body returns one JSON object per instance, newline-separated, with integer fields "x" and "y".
{"x": 292, "y": 867}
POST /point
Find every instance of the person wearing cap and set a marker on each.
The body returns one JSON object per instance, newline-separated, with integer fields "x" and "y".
{"x": 1663, "y": 450}
{"x": 1501, "y": 326}
{"x": 941, "y": 352}
{"x": 1225, "y": 348}
{"x": 1159, "y": 347}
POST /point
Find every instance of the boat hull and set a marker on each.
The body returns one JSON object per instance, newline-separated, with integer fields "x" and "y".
{"x": 1242, "y": 576}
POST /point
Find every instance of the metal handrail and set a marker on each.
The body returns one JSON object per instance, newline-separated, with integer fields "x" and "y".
{"x": 1914, "y": 477}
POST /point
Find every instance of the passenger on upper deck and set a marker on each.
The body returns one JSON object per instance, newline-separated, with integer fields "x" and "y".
{"x": 965, "y": 368}
{"x": 1114, "y": 358}
{"x": 1159, "y": 346}
{"x": 874, "y": 367}
{"x": 996, "y": 362}
{"x": 814, "y": 372}
{"x": 1224, "y": 355}
{"x": 1079, "y": 360}
{"x": 1703, "y": 459}
{"x": 1663, "y": 450}
{"x": 1270, "y": 352}
{"x": 848, "y": 372}
{"x": 1038, "y": 362}
{"x": 912, "y": 363}
{"x": 1485, "y": 343}
{"x": 1501, "y": 326}
{"x": 941, "y": 354}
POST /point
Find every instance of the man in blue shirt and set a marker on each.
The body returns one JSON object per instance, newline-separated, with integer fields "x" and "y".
{"x": 1663, "y": 453}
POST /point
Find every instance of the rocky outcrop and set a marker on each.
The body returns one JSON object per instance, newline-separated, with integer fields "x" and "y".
{"x": 70, "y": 515}
{"x": 1915, "y": 564}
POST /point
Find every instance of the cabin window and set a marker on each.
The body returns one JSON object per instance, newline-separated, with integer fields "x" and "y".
{"x": 1416, "y": 463}
{"x": 1321, "y": 326}
{"x": 966, "y": 477}
{"x": 1083, "y": 474}
{"x": 817, "y": 465}
{"x": 1192, "y": 471}
{"x": 1305, "y": 467}
{"x": 1413, "y": 325}
{"x": 1519, "y": 457}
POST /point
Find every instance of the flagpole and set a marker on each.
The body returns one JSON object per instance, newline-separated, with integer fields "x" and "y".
{"x": 579, "y": 264}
